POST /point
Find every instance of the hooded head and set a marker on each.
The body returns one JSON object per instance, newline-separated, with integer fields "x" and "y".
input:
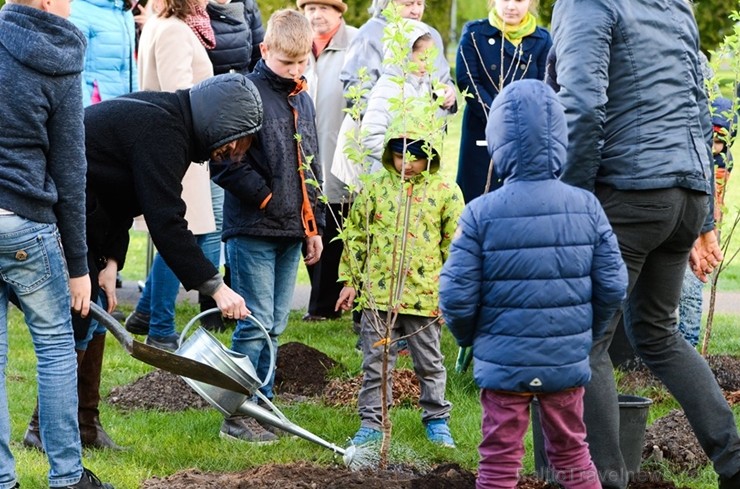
{"x": 418, "y": 148}
{"x": 225, "y": 107}
{"x": 526, "y": 132}
{"x": 724, "y": 121}
{"x": 413, "y": 31}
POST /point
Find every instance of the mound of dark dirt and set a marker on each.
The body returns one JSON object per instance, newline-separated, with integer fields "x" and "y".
{"x": 670, "y": 440}
{"x": 160, "y": 390}
{"x": 301, "y": 370}
{"x": 727, "y": 371}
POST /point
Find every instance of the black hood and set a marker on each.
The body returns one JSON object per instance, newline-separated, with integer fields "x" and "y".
{"x": 224, "y": 107}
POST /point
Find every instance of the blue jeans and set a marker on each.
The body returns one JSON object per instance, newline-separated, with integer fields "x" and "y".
{"x": 689, "y": 307}
{"x": 263, "y": 272}
{"x": 159, "y": 296}
{"x": 32, "y": 265}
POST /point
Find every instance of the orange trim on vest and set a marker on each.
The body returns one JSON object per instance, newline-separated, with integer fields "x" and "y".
{"x": 307, "y": 215}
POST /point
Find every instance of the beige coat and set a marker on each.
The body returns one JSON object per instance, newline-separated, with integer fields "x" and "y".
{"x": 171, "y": 58}
{"x": 327, "y": 91}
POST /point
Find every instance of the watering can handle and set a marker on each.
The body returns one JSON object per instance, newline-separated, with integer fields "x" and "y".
{"x": 250, "y": 317}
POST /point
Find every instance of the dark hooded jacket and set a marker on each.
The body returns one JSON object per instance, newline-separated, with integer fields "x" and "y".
{"x": 534, "y": 270}
{"x": 271, "y": 166}
{"x": 42, "y": 152}
{"x": 139, "y": 147}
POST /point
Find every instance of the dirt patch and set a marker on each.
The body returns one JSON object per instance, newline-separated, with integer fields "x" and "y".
{"x": 726, "y": 369}
{"x": 305, "y": 476}
{"x": 159, "y": 390}
{"x": 301, "y": 370}
{"x": 670, "y": 440}
{"x": 309, "y": 476}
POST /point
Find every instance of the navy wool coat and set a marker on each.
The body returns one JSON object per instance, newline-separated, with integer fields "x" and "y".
{"x": 480, "y": 70}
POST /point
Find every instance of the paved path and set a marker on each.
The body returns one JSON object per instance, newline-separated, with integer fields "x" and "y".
{"x": 129, "y": 294}
{"x": 727, "y": 302}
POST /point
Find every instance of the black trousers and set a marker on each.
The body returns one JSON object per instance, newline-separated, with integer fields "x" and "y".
{"x": 324, "y": 286}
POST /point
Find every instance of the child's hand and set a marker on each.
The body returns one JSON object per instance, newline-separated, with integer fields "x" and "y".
{"x": 450, "y": 98}
{"x": 314, "y": 247}
{"x": 346, "y": 299}
{"x": 79, "y": 291}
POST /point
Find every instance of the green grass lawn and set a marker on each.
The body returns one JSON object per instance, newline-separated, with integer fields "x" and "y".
{"x": 163, "y": 443}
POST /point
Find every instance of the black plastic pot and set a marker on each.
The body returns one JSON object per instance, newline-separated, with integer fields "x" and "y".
{"x": 633, "y": 414}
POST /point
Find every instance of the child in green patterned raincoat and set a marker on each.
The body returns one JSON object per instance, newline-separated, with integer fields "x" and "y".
{"x": 408, "y": 193}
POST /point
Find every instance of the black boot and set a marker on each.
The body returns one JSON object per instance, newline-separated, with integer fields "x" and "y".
{"x": 213, "y": 321}
{"x": 90, "y": 364}
{"x": 32, "y": 437}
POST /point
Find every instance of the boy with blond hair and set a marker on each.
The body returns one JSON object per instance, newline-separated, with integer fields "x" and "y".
{"x": 269, "y": 209}
{"x": 43, "y": 254}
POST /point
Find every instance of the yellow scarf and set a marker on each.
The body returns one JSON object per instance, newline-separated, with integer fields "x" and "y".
{"x": 513, "y": 33}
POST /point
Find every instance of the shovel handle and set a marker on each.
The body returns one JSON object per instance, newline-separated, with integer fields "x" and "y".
{"x": 109, "y": 322}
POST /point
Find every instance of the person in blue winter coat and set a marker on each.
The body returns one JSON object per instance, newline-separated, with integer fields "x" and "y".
{"x": 110, "y": 60}
{"x": 493, "y": 52}
{"x": 534, "y": 274}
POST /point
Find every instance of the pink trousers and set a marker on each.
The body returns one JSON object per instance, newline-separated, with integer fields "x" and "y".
{"x": 505, "y": 422}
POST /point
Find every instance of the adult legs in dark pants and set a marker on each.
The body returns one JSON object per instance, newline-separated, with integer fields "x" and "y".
{"x": 656, "y": 230}
{"x": 324, "y": 286}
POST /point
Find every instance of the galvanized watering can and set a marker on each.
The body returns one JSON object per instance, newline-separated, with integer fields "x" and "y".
{"x": 224, "y": 378}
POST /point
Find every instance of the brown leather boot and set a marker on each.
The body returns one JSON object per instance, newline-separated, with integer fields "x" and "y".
{"x": 32, "y": 437}
{"x": 89, "y": 366}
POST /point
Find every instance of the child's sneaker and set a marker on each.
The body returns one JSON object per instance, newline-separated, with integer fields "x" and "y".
{"x": 439, "y": 433}
{"x": 366, "y": 435}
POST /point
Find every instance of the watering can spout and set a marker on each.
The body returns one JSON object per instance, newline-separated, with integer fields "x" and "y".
{"x": 263, "y": 415}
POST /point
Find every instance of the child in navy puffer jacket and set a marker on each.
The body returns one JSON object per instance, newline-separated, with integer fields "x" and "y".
{"x": 534, "y": 274}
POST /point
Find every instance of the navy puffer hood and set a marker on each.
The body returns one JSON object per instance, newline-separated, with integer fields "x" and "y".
{"x": 225, "y": 107}
{"x": 526, "y": 142}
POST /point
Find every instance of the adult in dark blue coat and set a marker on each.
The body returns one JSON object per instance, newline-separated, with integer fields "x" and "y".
{"x": 488, "y": 60}
{"x": 534, "y": 271}
{"x": 640, "y": 134}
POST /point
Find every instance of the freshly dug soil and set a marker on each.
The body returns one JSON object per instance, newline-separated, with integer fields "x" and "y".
{"x": 158, "y": 390}
{"x": 301, "y": 370}
{"x": 308, "y": 476}
{"x": 670, "y": 440}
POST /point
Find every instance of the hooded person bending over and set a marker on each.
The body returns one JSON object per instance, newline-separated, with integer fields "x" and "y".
{"x": 138, "y": 148}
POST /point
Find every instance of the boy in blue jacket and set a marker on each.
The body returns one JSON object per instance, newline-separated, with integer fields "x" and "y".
{"x": 534, "y": 274}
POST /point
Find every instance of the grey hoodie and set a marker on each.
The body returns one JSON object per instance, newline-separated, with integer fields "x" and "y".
{"x": 42, "y": 143}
